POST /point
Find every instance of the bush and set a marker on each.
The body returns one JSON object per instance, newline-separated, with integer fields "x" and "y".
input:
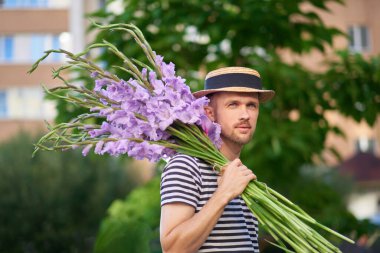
{"x": 55, "y": 201}
{"x": 132, "y": 224}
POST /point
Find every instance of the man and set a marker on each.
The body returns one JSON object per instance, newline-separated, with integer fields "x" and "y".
{"x": 202, "y": 210}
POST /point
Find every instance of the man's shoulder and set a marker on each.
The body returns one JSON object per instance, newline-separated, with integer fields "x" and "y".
{"x": 187, "y": 159}
{"x": 182, "y": 159}
{"x": 182, "y": 162}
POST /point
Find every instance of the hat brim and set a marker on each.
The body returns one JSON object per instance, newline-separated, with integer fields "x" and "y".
{"x": 264, "y": 95}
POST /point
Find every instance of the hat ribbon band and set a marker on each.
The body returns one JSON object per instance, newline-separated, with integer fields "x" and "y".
{"x": 233, "y": 80}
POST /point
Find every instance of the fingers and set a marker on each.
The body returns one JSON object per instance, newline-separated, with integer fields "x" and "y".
{"x": 236, "y": 162}
{"x": 243, "y": 168}
{"x": 252, "y": 177}
{"x": 248, "y": 173}
{"x": 234, "y": 178}
{"x": 237, "y": 166}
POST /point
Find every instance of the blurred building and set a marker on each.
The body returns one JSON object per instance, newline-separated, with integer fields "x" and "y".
{"x": 364, "y": 169}
{"x": 27, "y": 29}
{"x": 359, "y": 20}
{"x": 360, "y": 149}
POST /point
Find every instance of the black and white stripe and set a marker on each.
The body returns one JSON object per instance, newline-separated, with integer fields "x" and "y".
{"x": 191, "y": 181}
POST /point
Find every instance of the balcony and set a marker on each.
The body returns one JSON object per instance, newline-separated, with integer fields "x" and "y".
{"x": 33, "y": 20}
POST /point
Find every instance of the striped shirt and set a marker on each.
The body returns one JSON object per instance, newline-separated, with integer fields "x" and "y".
{"x": 191, "y": 181}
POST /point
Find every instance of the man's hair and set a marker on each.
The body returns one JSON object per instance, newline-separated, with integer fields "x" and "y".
{"x": 210, "y": 97}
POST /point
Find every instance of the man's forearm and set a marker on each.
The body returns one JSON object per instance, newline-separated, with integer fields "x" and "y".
{"x": 191, "y": 234}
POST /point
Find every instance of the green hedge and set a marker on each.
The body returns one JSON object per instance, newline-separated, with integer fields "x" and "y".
{"x": 55, "y": 201}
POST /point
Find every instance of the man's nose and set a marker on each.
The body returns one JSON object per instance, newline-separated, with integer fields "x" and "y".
{"x": 244, "y": 113}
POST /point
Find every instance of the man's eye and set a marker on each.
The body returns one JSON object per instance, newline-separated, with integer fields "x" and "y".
{"x": 252, "y": 106}
{"x": 232, "y": 105}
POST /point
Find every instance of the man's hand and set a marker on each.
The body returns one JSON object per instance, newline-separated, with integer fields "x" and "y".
{"x": 234, "y": 178}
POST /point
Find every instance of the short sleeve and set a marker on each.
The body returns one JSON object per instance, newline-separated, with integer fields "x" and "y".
{"x": 181, "y": 181}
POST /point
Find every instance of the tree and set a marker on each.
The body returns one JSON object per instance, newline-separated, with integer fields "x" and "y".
{"x": 201, "y": 35}
{"x": 132, "y": 224}
{"x": 353, "y": 83}
{"x": 54, "y": 202}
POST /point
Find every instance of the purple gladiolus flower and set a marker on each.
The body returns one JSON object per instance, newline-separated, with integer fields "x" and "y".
{"x": 86, "y": 149}
{"x": 144, "y": 73}
{"x": 145, "y": 115}
{"x": 99, "y": 147}
{"x": 104, "y": 129}
{"x": 100, "y": 83}
{"x": 94, "y": 74}
{"x": 109, "y": 147}
{"x": 212, "y": 130}
{"x": 141, "y": 94}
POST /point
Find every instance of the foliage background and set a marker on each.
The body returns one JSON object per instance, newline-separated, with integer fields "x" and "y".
{"x": 54, "y": 203}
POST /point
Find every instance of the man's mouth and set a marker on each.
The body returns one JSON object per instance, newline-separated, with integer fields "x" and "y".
{"x": 244, "y": 126}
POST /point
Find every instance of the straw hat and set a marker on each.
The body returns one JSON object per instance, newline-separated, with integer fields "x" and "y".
{"x": 234, "y": 79}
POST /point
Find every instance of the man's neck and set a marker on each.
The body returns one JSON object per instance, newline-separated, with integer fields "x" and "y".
{"x": 231, "y": 150}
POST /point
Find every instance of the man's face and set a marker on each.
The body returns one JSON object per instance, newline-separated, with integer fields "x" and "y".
{"x": 236, "y": 113}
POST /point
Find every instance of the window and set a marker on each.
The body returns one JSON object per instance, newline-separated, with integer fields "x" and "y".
{"x": 27, "y": 103}
{"x": 8, "y": 44}
{"x": 30, "y": 47}
{"x": 359, "y": 38}
{"x": 23, "y": 3}
{"x": 37, "y": 46}
{"x": 3, "y": 104}
{"x": 6, "y": 48}
{"x": 34, "y": 3}
{"x": 365, "y": 145}
{"x": 56, "y": 45}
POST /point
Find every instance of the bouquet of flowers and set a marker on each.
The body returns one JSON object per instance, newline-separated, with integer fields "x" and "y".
{"x": 154, "y": 115}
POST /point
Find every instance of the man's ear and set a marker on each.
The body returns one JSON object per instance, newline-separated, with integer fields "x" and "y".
{"x": 210, "y": 113}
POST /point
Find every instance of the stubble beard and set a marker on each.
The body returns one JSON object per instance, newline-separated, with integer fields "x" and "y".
{"x": 236, "y": 139}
